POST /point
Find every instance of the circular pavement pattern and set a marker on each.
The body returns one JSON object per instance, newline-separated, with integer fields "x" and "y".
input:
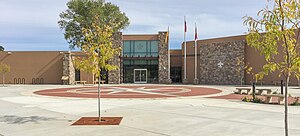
{"x": 129, "y": 92}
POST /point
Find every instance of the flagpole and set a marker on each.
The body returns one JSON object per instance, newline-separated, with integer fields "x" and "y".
{"x": 196, "y": 37}
{"x": 196, "y": 80}
{"x": 195, "y": 61}
{"x": 196, "y": 53}
{"x": 185, "y": 29}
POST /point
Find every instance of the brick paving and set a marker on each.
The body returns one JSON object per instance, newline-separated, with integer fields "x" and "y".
{"x": 129, "y": 92}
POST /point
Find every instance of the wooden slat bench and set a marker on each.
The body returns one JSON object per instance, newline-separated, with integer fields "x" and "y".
{"x": 240, "y": 90}
{"x": 268, "y": 98}
{"x": 101, "y": 82}
{"x": 261, "y": 90}
{"x": 80, "y": 82}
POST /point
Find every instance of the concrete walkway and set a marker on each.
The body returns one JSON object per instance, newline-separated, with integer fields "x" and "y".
{"x": 24, "y": 113}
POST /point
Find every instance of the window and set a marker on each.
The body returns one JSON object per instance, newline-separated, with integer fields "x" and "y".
{"x": 154, "y": 48}
{"x": 176, "y": 74}
{"x": 140, "y": 48}
{"x": 77, "y": 75}
{"x": 126, "y": 48}
{"x": 150, "y": 65}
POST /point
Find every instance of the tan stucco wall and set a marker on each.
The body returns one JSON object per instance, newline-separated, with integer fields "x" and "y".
{"x": 29, "y": 65}
{"x": 176, "y": 58}
{"x": 86, "y": 77}
{"x": 140, "y": 37}
{"x": 254, "y": 59}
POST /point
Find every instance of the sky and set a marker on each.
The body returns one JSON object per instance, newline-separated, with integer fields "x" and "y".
{"x": 31, "y": 25}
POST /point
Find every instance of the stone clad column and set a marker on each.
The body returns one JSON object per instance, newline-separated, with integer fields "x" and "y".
{"x": 68, "y": 69}
{"x": 163, "y": 59}
{"x": 114, "y": 76}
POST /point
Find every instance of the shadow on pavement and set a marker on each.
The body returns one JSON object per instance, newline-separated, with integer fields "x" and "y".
{"x": 12, "y": 119}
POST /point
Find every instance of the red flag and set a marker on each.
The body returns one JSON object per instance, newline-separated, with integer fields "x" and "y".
{"x": 185, "y": 26}
{"x": 196, "y": 32}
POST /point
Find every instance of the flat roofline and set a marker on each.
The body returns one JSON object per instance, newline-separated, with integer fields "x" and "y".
{"x": 140, "y": 34}
{"x": 221, "y": 37}
{"x": 145, "y": 34}
{"x": 140, "y": 37}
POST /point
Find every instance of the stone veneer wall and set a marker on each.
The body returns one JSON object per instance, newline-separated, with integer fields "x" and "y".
{"x": 163, "y": 59}
{"x": 115, "y": 76}
{"x": 229, "y": 53}
{"x": 68, "y": 68}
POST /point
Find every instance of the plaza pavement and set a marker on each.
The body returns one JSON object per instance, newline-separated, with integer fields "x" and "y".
{"x": 24, "y": 113}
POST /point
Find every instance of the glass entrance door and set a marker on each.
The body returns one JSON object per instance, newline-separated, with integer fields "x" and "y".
{"x": 140, "y": 75}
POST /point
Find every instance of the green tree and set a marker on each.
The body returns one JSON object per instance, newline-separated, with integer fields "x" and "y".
{"x": 280, "y": 41}
{"x": 81, "y": 14}
{"x": 1, "y": 48}
{"x": 99, "y": 50}
{"x": 3, "y": 70}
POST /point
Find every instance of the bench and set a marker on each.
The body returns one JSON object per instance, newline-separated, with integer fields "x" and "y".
{"x": 260, "y": 91}
{"x": 101, "y": 82}
{"x": 240, "y": 90}
{"x": 80, "y": 82}
{"x": 268, "y": 98}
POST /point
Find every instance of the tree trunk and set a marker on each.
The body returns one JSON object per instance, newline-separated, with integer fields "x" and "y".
{"x": 241, "y": 81}
{"x": 253, "y": 90}
{"x": 99, "y": 114}
{"x": 93, "y": 79}
{"x": 88, "y": 79}
{"x": 3, "y": 79}
{"x": 286, "y": 106}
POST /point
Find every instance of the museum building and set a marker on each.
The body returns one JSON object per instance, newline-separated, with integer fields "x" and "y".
{"x": 144, "y": 59}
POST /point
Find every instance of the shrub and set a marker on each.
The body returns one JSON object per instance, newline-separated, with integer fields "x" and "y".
{"x": 296, "y": 102}
{"x": 255, "y": 100}
{"x": 246, "y": 99}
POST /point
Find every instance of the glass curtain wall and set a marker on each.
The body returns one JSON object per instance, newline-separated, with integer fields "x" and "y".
{"x": 150, "y": 65}
{"x": 140, "y": 55}
{"x": 140, "y": 49}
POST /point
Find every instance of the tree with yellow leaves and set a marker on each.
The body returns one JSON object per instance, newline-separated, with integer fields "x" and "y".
{"x": 99, "y": 50}
{"x": 275, "y": 34}
{"x": 3, "y": 70}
